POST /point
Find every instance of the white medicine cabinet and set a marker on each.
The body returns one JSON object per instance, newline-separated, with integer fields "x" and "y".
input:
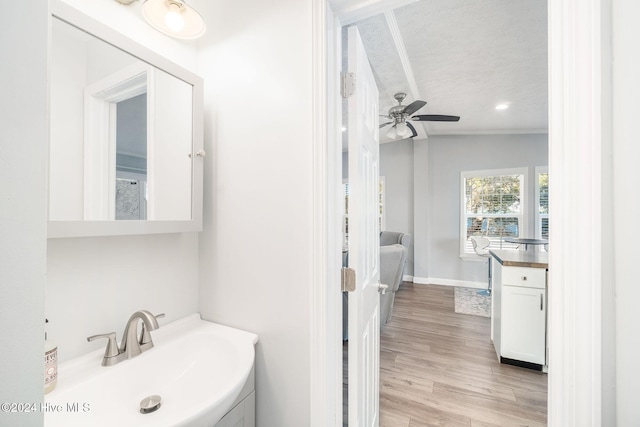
{"x": 126, "y": 135}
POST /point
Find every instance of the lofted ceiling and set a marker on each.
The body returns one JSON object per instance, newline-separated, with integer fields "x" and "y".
{"x": 463, "y": 57}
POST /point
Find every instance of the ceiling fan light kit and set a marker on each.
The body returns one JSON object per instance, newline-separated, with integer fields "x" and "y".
{"x": 403, "y": 129}
{"x": 400, "y": 115}
{"x": 393, "y": 133}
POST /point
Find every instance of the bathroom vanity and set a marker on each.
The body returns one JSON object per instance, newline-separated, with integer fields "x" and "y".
{"x": 243, "y": 412}
{"x": 519, "y": 307}
{"x": 197, "y": 373}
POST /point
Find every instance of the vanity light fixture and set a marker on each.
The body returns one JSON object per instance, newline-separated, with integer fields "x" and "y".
{"x": 174, "y": 18}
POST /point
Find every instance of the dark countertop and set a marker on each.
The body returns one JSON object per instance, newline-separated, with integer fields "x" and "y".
{"x": 534, "y": 259}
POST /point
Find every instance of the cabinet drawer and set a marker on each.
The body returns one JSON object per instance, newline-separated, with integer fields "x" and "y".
{"x": 524, "y": 276}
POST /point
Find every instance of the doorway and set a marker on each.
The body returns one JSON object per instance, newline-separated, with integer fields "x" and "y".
{"x": 576, "y": 31}
{"x": 564, "y": 37}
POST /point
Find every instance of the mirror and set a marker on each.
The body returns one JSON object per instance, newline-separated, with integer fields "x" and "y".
{"x": 125, "y": 136}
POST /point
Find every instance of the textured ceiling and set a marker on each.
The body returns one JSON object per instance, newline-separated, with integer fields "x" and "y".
{"x": 463, "y": 57}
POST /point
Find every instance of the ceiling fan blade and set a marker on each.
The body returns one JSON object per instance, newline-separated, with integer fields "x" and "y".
{"x": 413, "y": 130}
{"x": 384, "y": 124}
{"x": 435, "y": 118}
{"x": 413, "y": 107}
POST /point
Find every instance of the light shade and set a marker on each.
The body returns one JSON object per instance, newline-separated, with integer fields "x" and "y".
{"x": 174, "y": 18}
{"x": 403, "y": 130}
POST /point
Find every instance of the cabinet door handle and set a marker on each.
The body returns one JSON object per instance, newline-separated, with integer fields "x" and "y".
{"x": 523, "y": 278}
{"x": 541, "y": 302}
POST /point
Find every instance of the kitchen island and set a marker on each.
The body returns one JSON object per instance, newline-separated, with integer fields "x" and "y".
{"x": 519, "y": 307}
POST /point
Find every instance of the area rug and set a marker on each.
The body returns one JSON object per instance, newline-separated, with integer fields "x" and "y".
{"x": 472, "y": 301}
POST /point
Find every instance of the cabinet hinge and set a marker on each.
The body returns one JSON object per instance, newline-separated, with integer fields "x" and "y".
{"x": 347, "y": 84}
{"x": 348, "y": 279}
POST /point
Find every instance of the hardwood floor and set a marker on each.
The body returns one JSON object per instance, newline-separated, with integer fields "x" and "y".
{"x": 439, "y": 368}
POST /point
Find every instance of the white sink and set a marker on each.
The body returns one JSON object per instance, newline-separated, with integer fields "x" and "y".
{"x": 198, "y": 369}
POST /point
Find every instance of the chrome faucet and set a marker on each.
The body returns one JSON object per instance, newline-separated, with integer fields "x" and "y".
{"x": 131, "y": 345}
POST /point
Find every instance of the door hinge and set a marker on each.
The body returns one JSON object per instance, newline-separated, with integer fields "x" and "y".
{"x": 347, "y": 84}
{"x": 348, "y": 279}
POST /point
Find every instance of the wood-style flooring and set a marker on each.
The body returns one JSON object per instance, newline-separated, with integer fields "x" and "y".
{"x": 439, "y": 368}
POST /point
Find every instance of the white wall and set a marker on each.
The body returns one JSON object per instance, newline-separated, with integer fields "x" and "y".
{"x": 24, "y": 131}
{"x": 95, "y": 284}
{"x": 255, "y": 252}
{"x": 396, "y": 165}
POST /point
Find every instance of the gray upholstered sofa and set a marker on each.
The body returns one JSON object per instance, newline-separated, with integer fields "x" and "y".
{"x": 393, "y": 237}
{"x": 393, "y": 255}
{"x": 392, "y": 260}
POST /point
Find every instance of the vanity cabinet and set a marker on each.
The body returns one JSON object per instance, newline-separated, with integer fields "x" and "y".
{"x": 243, "y": 413}
{"x": 519, "y": 305}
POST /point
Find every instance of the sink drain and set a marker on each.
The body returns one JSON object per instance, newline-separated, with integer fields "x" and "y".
{"x": 150, "y": 404}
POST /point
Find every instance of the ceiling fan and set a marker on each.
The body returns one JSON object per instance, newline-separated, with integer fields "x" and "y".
{"x": 400, "y": 115}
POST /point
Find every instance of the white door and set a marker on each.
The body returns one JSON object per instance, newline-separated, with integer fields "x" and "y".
{"x": 364, "y": 240}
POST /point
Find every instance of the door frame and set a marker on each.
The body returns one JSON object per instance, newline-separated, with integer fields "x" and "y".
{"x": 578, "y": 32}
{"x": 100, "y": 100}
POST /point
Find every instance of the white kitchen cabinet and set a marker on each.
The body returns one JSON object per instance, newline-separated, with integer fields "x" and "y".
{"x": 519, "y": 309}
{"x": 523, "y": 324}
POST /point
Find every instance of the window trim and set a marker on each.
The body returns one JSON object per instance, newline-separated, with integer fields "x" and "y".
{"x": 539, "y": 170}
{"x": 524, "y": 204}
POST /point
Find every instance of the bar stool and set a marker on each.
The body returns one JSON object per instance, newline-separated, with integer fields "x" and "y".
{"x": 481, "y": 245}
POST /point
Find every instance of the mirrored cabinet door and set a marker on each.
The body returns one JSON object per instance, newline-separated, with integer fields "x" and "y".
{"x": 125, "y": 137}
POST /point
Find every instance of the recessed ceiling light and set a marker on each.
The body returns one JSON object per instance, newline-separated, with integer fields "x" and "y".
{"x": 502, "y": 106}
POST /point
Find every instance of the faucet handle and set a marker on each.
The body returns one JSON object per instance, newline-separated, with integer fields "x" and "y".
{"x": 112, "y": 346}
{"x": 145, "y": 337}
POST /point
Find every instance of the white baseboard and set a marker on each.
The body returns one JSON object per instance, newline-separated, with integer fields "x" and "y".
{"x": 407, "y": 278}
{"x": 449, "y": 282}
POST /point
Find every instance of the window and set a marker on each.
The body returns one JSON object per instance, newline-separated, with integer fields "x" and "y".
{"x": 542, "y": 203}
{"x": 345, "y": 221}
{"x": 493, "y": 205}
